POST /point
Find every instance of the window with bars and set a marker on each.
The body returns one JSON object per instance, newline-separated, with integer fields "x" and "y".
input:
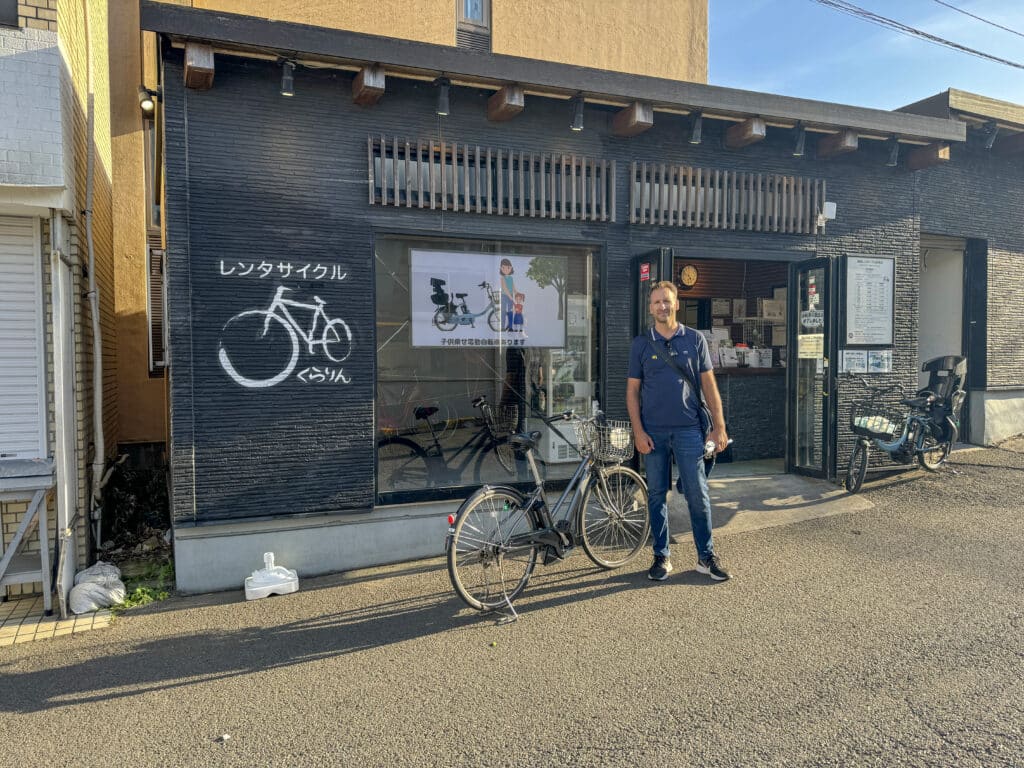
{"x": 707, "y": 198}
{"x": 503, "y": 182}
{"x": 156, "y": 288}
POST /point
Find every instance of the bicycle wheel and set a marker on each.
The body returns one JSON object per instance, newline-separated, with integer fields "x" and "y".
{"x": 933, "y": 454}
{"x": 857, "y": 468}
{"x": 613, "y": 520}
{"x": 443, "y": 320}
{"x": 402, "y": 465}
{"x": 491, "y": 554}
{"x": 495, "y": 462}
{"x": 494, "y": 320}
{"x": 337, "y": 340}
{"x": 262, "y": 355}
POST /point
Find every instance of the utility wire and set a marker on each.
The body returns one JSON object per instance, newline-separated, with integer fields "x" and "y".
{"x": 882, "y": 21}
{"x": 979, "y": 18}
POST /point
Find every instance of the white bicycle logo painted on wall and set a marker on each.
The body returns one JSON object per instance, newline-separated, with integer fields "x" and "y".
{"x": 259, "y": 348}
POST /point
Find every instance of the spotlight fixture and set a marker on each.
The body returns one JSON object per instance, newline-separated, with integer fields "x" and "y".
{"x": 288, "y": 78}
{"x": 443, "y": 102}
{"x": 147, "y": 100}
{"x": 799, "y": 137}
{"x": 695, "y": 129}
{"x": 990, "y": 130}
{"x": 893, "y": 145}
{"x": 577, "y": 113}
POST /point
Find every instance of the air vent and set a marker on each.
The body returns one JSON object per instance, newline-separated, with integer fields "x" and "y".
{"x": 472, "y": 40}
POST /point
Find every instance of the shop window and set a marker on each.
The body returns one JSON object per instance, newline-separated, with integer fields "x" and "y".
{"x": 458, "y": 321}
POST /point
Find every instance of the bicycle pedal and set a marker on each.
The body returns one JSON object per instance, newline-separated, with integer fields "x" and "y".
{"x": 552, "y": 555}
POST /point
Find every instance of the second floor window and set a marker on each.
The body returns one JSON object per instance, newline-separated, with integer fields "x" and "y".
{"x": 475, "y": 14}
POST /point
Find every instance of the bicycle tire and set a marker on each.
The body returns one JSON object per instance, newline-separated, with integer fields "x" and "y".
{"x": 402, "y": 465}
{"x": 486, "y": 566}
{"x": 857, "y": 468}
{"x": 502, "y": 468}
{"x": 265, "y": 317}
{"x": 332, "y": 329}
{"x": 933, "y": 454}
{"x": 494, "y": 320}
{"x": 614, "y": 527}
{"x": 443, "y": 320}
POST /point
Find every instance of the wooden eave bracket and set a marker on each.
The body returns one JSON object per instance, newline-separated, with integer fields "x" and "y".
{"x": 927, "y": 156}
{"x": 837, "y": 144}
{"x": 198, "y": 66}
{"x": 634, "y": 119}
{"x": 743, "y": 134}
{"x": 368, "y": 85}
{"x": 1010, "y": 145}
{"x": 505, "y": 104}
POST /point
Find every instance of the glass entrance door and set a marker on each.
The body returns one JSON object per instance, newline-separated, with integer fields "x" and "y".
{"x": 810, "y": 375}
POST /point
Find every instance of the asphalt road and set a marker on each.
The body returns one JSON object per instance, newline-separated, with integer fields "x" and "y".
{"x": 890, "y": 637}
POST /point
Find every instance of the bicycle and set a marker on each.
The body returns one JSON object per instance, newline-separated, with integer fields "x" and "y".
{"x": 335, "y": 338}
{"x": 925, "y": 428}
{"x": 450, "y": 314}
{"x": 498, "y": 533}
{"x": 404, "y": 464}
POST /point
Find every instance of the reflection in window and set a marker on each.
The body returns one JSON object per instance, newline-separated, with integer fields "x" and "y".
{"x": 475, "y": 13}
{"x": 477, "y": 340}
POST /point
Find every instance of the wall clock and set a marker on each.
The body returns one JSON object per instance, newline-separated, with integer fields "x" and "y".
{"x": 688, "y": 276}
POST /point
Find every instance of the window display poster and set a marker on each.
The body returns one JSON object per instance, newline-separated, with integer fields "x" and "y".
{"x": 869, "y": 300}
{"x": 721, "y": 307}
{"x": 879, "y": 361}
{"x": 855, "y": 361}
{"x": 487, "y": 300}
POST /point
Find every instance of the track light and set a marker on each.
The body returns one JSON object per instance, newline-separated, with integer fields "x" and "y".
{"x": 443, "y": 103}
{"x": 799, "y": 137}
{"x": 990, "y": 130}
{"x": 147, "y": 100}
{"x": 577, "y": 113}
{"x": 288, "y": 78}
{"x": 695, "y": 130}
{"x": 894, "y": 151}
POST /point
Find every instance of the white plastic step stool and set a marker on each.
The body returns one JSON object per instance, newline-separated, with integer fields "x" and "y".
{"x": 270, "y": 580}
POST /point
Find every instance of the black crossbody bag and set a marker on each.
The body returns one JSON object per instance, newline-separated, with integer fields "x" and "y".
{"x": 703, "y": 412}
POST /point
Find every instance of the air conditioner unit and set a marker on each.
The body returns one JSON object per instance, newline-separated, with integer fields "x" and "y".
{"x": 552, "y": 448}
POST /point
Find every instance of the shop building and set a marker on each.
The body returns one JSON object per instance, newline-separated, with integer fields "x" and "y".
{"x": 344, "y": 214}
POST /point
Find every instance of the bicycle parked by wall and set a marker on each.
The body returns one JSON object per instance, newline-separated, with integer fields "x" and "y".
{"x": 923, "y": 427}
{"x": 452, "y": 310}
{"x": 497, "y": 535}
{"x": 404, "y": 464}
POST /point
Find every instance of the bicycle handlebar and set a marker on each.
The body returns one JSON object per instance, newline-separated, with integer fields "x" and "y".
{"x": 563, "y": 416}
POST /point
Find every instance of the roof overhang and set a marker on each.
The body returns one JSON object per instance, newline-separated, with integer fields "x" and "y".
{"x": 248, "y": 35}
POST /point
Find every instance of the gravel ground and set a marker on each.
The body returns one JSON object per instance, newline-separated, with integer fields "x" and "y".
{"x": 888, "y": 637}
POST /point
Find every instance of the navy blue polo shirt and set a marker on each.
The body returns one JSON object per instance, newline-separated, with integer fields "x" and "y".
{"x": 666, "y": 398}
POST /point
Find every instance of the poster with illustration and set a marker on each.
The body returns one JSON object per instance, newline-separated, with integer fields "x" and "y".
{"x": 490, "y": 300}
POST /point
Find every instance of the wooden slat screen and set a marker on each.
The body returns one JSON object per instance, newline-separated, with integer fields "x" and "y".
{"x": 454, "y": 176}
{"x": 706, "y": 198}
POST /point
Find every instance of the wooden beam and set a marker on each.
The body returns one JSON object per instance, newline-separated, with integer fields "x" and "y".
{"x": 837, "y": 144}
{"x": 198, "y": 66}
{"x": 924, "y": 157}
{"x": 1011, "y": 145}
{"x": 368, "y": 85}
{"x": 505, "y": 104}
{"x": 748, "y": 132}
{"x": 634, "y": 119}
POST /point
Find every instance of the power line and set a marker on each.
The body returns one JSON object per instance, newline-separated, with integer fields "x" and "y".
{"x": 979, "y": 18}
{"x": 882, "y": 21}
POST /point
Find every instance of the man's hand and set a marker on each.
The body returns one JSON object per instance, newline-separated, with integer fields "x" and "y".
{"x": 720, "y": 437}
{"x": 643, "y": 441}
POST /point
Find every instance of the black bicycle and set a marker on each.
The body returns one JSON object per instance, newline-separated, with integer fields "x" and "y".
{"x": 404, "y": 464}
{"x": 923, "y": 427}
{"x": 498, "y": 533}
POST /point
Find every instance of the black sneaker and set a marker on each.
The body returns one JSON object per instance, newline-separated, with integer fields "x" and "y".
{"x": 712, "y": 567}
{"x": 661, "y": 568}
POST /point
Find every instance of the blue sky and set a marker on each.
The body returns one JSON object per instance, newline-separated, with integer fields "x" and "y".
{"x": 800, "y": 48}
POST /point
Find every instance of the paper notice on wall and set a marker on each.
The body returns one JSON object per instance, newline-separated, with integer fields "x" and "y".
{"x": 779, "y": 335}
{"x": 810, "y": 345}
{"x": 721, "y": 307}
{"x": 728, "y": 357}
{"x": 855, "y": 361}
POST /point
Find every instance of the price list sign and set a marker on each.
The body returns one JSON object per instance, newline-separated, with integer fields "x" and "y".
{"x": 870, "y": 288}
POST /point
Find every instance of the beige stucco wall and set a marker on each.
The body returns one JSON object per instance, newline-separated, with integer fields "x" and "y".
{"x": 661, "y": 38}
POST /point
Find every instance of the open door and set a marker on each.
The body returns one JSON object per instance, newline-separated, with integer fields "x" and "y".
{"x": 648, "y": 269}
{"x": 810, "y": 423}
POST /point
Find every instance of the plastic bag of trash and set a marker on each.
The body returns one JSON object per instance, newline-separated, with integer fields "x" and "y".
{"x": 100, "y": 573}
{"x": 90, "y": 596}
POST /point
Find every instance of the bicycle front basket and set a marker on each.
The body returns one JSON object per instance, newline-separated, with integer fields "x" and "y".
{"x": 873, "y": 417}
{"x": 610, "y": 441}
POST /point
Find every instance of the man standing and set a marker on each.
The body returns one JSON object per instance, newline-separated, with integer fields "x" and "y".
{"x": 664, "y": 412}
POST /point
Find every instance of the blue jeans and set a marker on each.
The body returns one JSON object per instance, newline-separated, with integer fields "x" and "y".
{"x": 687, "y": 445}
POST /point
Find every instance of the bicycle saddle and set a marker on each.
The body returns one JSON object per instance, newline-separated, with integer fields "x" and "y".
{"x": 524, "y": 441}
{"x": 425, "y": 412}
